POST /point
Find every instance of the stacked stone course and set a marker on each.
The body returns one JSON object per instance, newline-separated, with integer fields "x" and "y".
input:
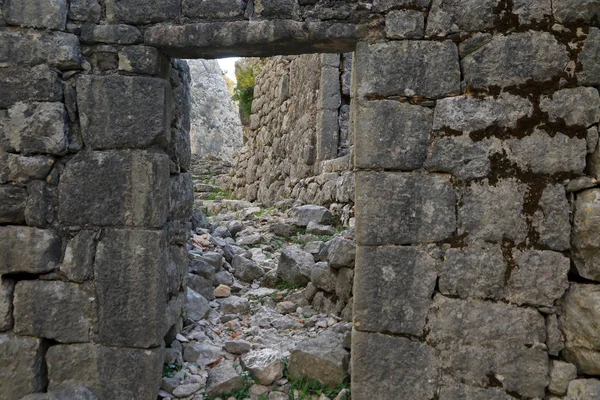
{"x": 478, "y": 185}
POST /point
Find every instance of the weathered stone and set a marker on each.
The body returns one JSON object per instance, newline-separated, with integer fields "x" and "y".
{"x": 224, "y": 278}
{"x": 387, "y": 376}
{"x": 78, "y": 262}
{"x": 122, "y": 111}
{"x": 36, "y": 128}
{"x": 29, "y": 250}
{"x": 109, "y": 372}
{"x": 51, "y": 14}
{"x": 460, "y": 156}
{"x": 7, "y": 287}
{"x": 23, "y": 168}
{"x": 79, "y": 393}
{"x": 115, "y": 188}
{"x": 344, "y": 283}
{"x": 393, "y": 289}
{"x": 384, "y": 5}
{"x": 234, "y": 305}
{"x": 265, "y": 365}
{"x": 561, "y": 373}
{"x": 510, "y": 337}
{"x": 540, "y": 277}
{"x": 117, "y": 34}
{"x": 473, "y": 42}
{"x": 392, "y": 135}
{"x": 196, "y": 306}
{"x": 237, "y": 346}
{"x": 554, "y": 340}
{"x": 580, "y": 323}
{"x": 57, "y": 49}
{"x": 222, "y": 291}
{"x": 202, "y": 353}
{"x": 477, "y": 271}
{"x": 493, "y": 213}
{"x": 22, "y": 360}
{"x": 408, "y": 68}
{"x": 473, "y": 393}
{"x": 576, "y": 107}
{"x": 187, "y": 389}
{"x": 55, "y": 310}
{"x": 38, "y": 211}
{"x": 246, "y": 270}
{"x": 303, "y": 215}
{"x": 469, "y": 114}
{"x": 514, "y": 59}
{"x": 586, "y": 233}
{"x": 13, "y": 200}
{"x": 223, "y": 379}
{"x": 275, "y": 8}
{"x": 139, "y": 12}
{"x": 572, "y": 11}
{"x": 584, "y": 389}
{"x": 341, "y": 252}
{"x": 531, "y": 11}
{"x": 592, "y": 138}
{"x": 588, "y": 57}
{"x": 212, "y": 8}
{"x": 131, "y": 289}
{"x": 201, "y": 285}
{"x": 447, "y": 17}
{"x": 404, "y": 24}
{"x": 85, "y": 10}
{"x": 322, "y": 358}
{"x": 320, "y": 230}
{"x": 323, "y": 277}
{"x": 295, "y": 266}
{"x": 552, "y": 220}
{"x": 389, "y": 216}
{"x": 38, "y": 83}
{"x": 143, "y": 60}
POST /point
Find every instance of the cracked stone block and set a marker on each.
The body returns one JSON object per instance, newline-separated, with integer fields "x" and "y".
{"x": 540, "y": 277}
{"x": 392, "y": 135}
{"x": 405, "y": 24}
{"x": 493, "y": 213}
{"x": 50, "y": 14}
{"x": 576, "y": 107}
{"x": 57, "y": 49}
{"x": 477, "y": 271}
{"x": 497, "y": 340}
{"x": 447, "y": 17}
{"x": 389, "y": 216}
{"x": 586, "y": 233}
{"x": 393, "y": 289}
{"x": 386, "y": 376}
{"x": 509, "y": 60}
{"x": 139, "y": 12}
{"x": 55, "y": 310}
{"x": 38, "y": 83}
{"x": 551, "y": 221}
{"x": 576, "y": 11}
{"x": 408, "y": 68}
{"x": 29, "y": 250}
{"x": 109, "y": 372}
{"x": 131, "y": 285}
{"x": 580, "y": 323}
{"x": 115, "y": 188}
{"x": 123, "y": 111}
{"x": 22, "y": 360}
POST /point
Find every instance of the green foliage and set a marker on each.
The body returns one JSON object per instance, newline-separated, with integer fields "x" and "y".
{"x": 243, "y": 92}
{"x": 308, "y": 387}
{"x": 220, "y": 195}
{"x": 169, "y": 370}
{"x": 281, "y": 285}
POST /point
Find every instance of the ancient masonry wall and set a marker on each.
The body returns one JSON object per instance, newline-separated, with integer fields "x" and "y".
{"x": 299, "y": 144}
{"x": 476, "y": 201}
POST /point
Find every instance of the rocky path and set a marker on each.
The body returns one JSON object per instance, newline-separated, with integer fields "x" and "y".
{"x": 268, "y": 307}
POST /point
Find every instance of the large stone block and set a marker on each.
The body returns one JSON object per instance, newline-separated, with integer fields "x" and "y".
{"x": 392, "y": 135}
{"x": 22, "y": 169}
{"x": 514, "y": 59}
{"x": 51, "y": 14}
{"x": 122, "y": 111}
{"x": 39, "y": 83}
{"x": 551, "y": 221}
{"x": 460, "y": 156}
{"x": 586, "y": 233}
{"x": 393, "y": 289}
{"x": 109, "y": 372}
{"x": 22, "y": 360}
{"x": 12, "y": 200}
{"x": 493, "y": 213}
{"x": 580, "y": 324}
{"x": 117, "y": 34}
{"x": 212, "y": 8}
{"x": 7, "y": 287}
{"x": 32, "y": 128}
{"x": 477, "y": 271}
{"x": 476, "y": 341}
{"x": 447, "y": 16}
{"x": 576, "y": 11}
{"x": 182, "y": 196}
{"x": 57, "y": 49}
{"x": 54, "y": 310}
{"x": 131, "y": 284}
{"x": 588, "y": 57}
{"x": 139, "y": 12}
{"x": 540, "y": 277}
{"x": 576, "y": 107}
{"x": 408, "y": 68}
{"x": 405, "y": 24}
{"x": 396, "y": 368}
{"x": 403, "y": 208}
{"x": 85, "y": 10}
{"x": 115, "y": 188}
{"x": 29, "y": 250}
{"x": 143, "y": 60}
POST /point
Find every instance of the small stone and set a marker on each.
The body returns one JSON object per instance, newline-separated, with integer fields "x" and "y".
{"x": 201, "y": 353}
{"x": 303, "y": 215}
{"x": 265, "y": 365}
{"x": 318, "y": 229}
{"x": 561, "y": 373}
{"x": 286, "y": 307}
{"x": 588, "y": 57}
{"x": 237, "y": 346}
{"x": 295, "y": 266}
{"x": 246, "y": 270}
{"x": 223, "y": 379}
{"x": 584, "y": 389}
{"x": 234, "y": 305}
{"x": 405, "y": 24}
{"x": 186, "y": 390}
{"x": 196, "y": 306}
{"x": 222, "y": 291}
{"x": 323, "y": 277}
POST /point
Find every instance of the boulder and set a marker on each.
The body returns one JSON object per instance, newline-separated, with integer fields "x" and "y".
{"x": 196, "y": 306}
{"x": 584, "y": 389}
{"x": 303, "y": 215}
{"x": 234, "y": 305}
{"x": 223, "y": 379}
{"x": 341, "y": 252}
{"x": 265, "y": 365}
{"x": 324, "y": 277}
{"x": 246, "y": 270}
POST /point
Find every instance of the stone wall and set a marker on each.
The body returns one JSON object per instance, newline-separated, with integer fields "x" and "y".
{"x": 298, "y": 143}
{"x": 476, "y": 188}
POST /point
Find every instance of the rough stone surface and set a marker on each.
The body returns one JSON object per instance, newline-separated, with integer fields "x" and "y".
{"x": 303, "y": 215}
{"x": 246, "y": 270}
{"x": 427, "y": 215}
{"x": 341, "y": 252}
{"x": 577, "y": 106}
{"x": 13, "y": 200}
{"x": 589, "y": 59}
{"x": 50, "y": 14}
{"x": 552, "y": 220}
{"x": 404, "y": 24}
{"x": 561, "y": 373}
{"x": 223, "y": 379}
{"x": 584, "y": 389}
{"x": 117, "y": 34}
{"x": 78, "y": 262}
{"x": 79, "y": 393}
{"x": 265, "y": 365}
{"x": 196, "y": 306}
{"x": 29, "y": 250}
{"x": 22, "y": 359}
{"x": 393, "y": 289}
{"x": 460, "y": 156}
{"x": 85, "y": 10}
{"x": 140, "y": 11}
{"x": 38, "y": 83}
{"x": 447, "y": 17}
{"x": 586, "y": 233}
{"x": 472, "y": 393}
{"x": 571, "y": 11}
{"x": 295, "y": 266}
{"x": 7, "y": 287}
{"x": 57, "y": 49}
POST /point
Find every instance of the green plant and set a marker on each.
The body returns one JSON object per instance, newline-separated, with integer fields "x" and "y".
{"x": 169, "y": 370}
{"x": 308, "y": 387}
{"x": 282, "y": 285}
{"x": 243, "y": 92}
